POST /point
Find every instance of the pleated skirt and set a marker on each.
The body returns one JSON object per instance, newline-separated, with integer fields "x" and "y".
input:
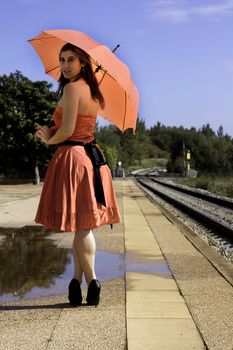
{"x": 67, "y": 201}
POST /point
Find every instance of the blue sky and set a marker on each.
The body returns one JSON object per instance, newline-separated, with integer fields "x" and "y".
{"x": 180, "y": 52}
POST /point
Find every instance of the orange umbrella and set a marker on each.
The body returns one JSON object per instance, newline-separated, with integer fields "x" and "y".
{"x": 119, "y": 91}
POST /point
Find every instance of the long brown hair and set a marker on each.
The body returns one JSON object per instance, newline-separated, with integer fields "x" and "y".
{"x": 86, "y": 73}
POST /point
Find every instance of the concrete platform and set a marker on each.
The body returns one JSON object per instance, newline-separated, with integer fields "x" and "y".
{"x": 186, "y": 305}
{"x": 157, "y": 316}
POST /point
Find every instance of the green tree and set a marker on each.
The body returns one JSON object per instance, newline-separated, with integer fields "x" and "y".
{"x": 210, "y": 152}
{"x": 207, "y": 131}
{"x": 111, "y": 155}
{"x": 23, "y": 104}
{"x": 160, "y": 136}
{"x": 220, "y": 131}
{"x": 108, "y": 135}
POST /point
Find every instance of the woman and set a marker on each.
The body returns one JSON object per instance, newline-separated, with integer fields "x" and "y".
{"x": 77, "y": 194}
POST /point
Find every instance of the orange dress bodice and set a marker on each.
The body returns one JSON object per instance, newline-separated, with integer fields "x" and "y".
{"x": 84, "y": 127}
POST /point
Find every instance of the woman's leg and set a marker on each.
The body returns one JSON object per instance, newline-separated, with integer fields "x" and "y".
{"x": 84, "y": 247}
{"x": 78, "y": 272}
{"x": 74, "y": 289}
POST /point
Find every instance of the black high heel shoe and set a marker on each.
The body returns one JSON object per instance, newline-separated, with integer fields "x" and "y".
{"x": 75, "y": 293}
{"x": 93, "y": 293}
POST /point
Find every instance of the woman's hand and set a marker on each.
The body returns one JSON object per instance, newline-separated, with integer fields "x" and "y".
{"x": 43, "y": 133}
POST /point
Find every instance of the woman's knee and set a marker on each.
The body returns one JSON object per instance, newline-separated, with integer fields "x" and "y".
{"x": 82, "y": 234}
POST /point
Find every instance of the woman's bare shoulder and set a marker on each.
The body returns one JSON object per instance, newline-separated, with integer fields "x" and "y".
{"x": 72, "y": 90}
{"x": 77, "y": 87}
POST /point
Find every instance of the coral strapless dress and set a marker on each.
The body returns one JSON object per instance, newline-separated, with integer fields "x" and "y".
{"x": 68, "y": 201}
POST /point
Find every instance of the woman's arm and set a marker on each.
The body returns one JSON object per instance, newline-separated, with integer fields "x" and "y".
{"x": 53, "y": 130}
{"x": 49, "y": 131}
{"x": 71, "y": 99}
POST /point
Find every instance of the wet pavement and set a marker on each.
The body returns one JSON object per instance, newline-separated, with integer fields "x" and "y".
{"x": 135, "y": 262}
{"x": 42, "y": 318}
{"x": 32, "y": 264}
{"x": 141, "y": 305}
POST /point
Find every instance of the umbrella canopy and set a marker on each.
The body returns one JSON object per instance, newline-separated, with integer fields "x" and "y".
{"x": 119, "y": 91}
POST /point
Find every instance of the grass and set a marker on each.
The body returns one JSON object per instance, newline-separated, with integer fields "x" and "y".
{"x": 148, "y": 163}
{"x": 222, "y": 186}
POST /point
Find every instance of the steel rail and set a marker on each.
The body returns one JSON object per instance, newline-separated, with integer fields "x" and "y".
{"x": 212, "y": 199}
{"x": 207, "y": 220}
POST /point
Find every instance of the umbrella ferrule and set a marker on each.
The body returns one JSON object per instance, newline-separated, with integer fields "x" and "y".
{"x": 115, "y": 48}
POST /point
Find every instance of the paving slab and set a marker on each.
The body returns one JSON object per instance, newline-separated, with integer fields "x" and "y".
{"x": 155, "y": 297}
{"x": 152, "y": 324}
{"x": 164, "y": 334}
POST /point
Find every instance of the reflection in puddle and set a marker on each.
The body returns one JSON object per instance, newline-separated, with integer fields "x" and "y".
{"x": 32, "y": 265}
{"x": 136, "y": 262}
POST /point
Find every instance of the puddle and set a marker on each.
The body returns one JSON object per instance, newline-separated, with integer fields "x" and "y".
{"x": 31, "y": 265}
{"x": 139, "y": 263}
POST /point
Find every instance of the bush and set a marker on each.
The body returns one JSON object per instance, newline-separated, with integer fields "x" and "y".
{"x": 222, "y": 186}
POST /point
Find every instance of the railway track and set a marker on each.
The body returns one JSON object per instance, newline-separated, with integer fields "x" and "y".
{"x": 212, "y": 215}
{"x": 224, "y": 202}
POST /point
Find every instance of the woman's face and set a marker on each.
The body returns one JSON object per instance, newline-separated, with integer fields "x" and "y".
{"x": 70, "y": 64}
